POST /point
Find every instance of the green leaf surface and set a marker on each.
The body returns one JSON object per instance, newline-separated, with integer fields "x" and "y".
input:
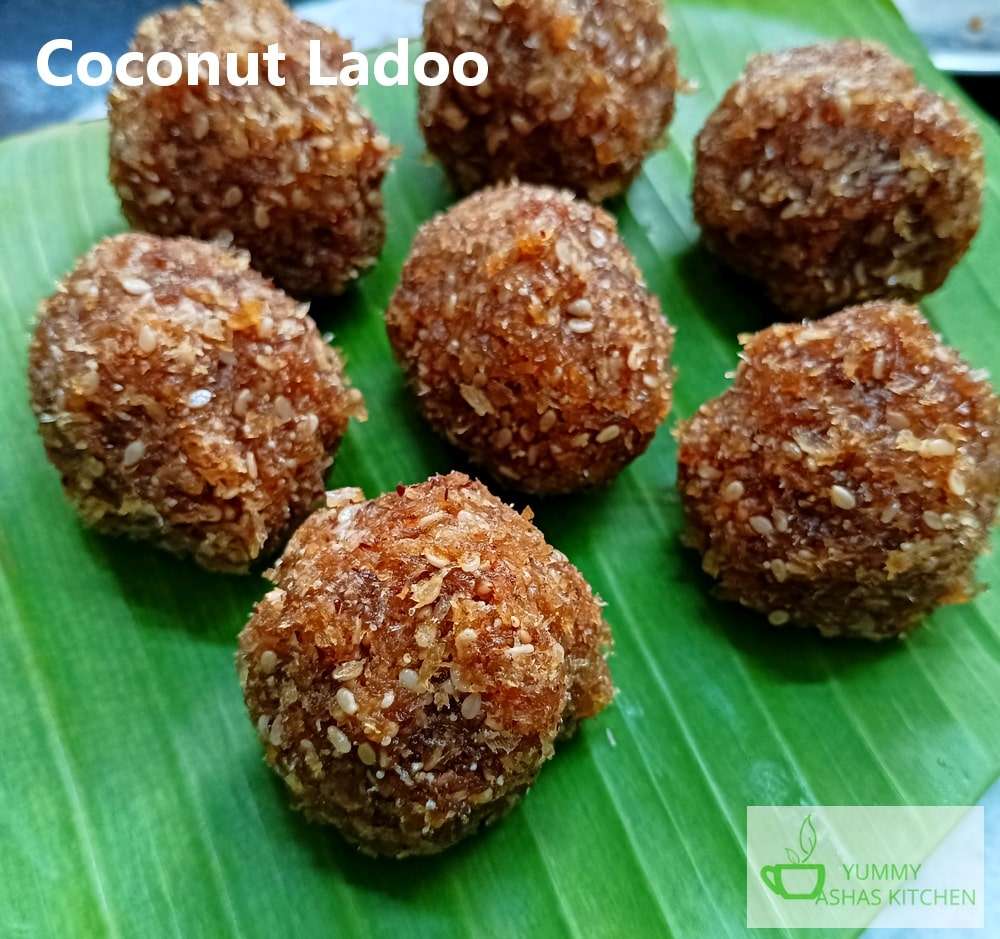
{"x": 135, "y": 801}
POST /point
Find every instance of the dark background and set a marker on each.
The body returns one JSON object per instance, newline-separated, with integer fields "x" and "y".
{"x": 107, "y": 26}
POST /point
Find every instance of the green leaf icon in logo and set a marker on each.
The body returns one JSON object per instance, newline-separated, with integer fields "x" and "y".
{"x": 807, "y": 838}
{"x": 797, "y": 880}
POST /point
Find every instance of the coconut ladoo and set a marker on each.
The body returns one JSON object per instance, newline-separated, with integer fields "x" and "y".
{"x": 290, "y": 173}
{"x": 186, "y": 400}
{"x": 829, "y": 175}
{"x": 417, "y": 659}
{"x": 849, "y": 477}
{"x": 530, "y": 340}
{"x": 577, "y": 93}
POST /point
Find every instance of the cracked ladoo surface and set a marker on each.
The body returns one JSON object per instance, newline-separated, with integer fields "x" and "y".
{"x": 829, "y": 175}
{"x": 578, "y": 93}
{"x": 184, "y": 399}
{"x": 291, "y": 173}
{"x": 530, "y": 340}
{"x": 416, "y": 661}
{"x": 849, "y": 477}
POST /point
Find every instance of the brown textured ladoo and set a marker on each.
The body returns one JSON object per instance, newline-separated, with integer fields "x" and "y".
{"x": 184, "y": 399}
{"x": 290, "y": 173}
{"x": 849, "y": 477}
{"x": 417, "y": 659}
{"x": 578, "y": 92}
{"x": 530, "y": 339}
{"x": 828, "y": 174}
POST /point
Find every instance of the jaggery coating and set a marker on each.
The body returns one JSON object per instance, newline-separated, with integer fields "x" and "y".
{"x": 530, "y": 339}
{"x": 849, "y": 477}
{"x": 416, "y": 660}
{"x": 831, "y": 177}
{"x": 292, "y": 174}
{"x": 578, "y": 92}
{"x": 184, "y": 399}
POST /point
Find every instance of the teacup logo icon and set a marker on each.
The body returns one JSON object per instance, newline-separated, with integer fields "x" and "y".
{"x": 797, "y": 880}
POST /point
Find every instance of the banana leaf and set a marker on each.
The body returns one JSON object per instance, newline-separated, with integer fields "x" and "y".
{"x": 135, "y": 801}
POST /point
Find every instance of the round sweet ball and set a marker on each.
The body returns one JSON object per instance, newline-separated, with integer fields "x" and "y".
{"x": 831, "y": 177}
{"x": 416, "y": 661}
{"x": 849, "y": 477}
{"x": 530, "y": 340}
{"x": 186, "y": 400}
{"x": 577, "y": 93}
{"x": 292, "y": 173}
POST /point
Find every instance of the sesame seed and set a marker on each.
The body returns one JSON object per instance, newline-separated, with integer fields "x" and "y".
{"x": 878, "y": 366}
{"x": 471, "y": 706}
{"x": 608, "y": 433}
{"x": 340, "y": 742}
{"x": 242, "y": 403}
{"x": 525, "y": 648}
{"x": 158, "y": 196}
{"x": 268, "y": 661}
{"x": 933, "y": 520}
{"x": 761, "y": 525}
{"x": 147, "y": 338}
{"x": 366, "y": 753}
{"x": 435, "y": 559}
{"x": 732, "y": 491}
{"x": 564, "y": 251}
{"x": 348, "y": 670}
{"x": 502, "y": 438}
{"x": 842, "y": 498}
{"x": 547, "y": 422}
{"x": 233, "y": 196}
{"x": 476, "y": 399}
{"x": 778, "y": 617}
{"x": 409, "y": 679}
{"x": 199, "y": 398}
{"x": 133, "y": 453}
{"x": 134, "y": 285}
{"x": 936, "y": 446}
{"x": 597, "y": 238}
{"x": 581, "y": 308}
{"x": 889, "y": 512}
{"x": 956, "y": 483}
{"x": 200, "y": 125}
{"x": 348, "y": 703}
{"x": 387, "y": 699}
{"x": 581, "y": 326}
{"x": 88, "y": 382}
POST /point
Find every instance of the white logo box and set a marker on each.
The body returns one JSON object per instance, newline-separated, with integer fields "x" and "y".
{"x": 849, "y": 866}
